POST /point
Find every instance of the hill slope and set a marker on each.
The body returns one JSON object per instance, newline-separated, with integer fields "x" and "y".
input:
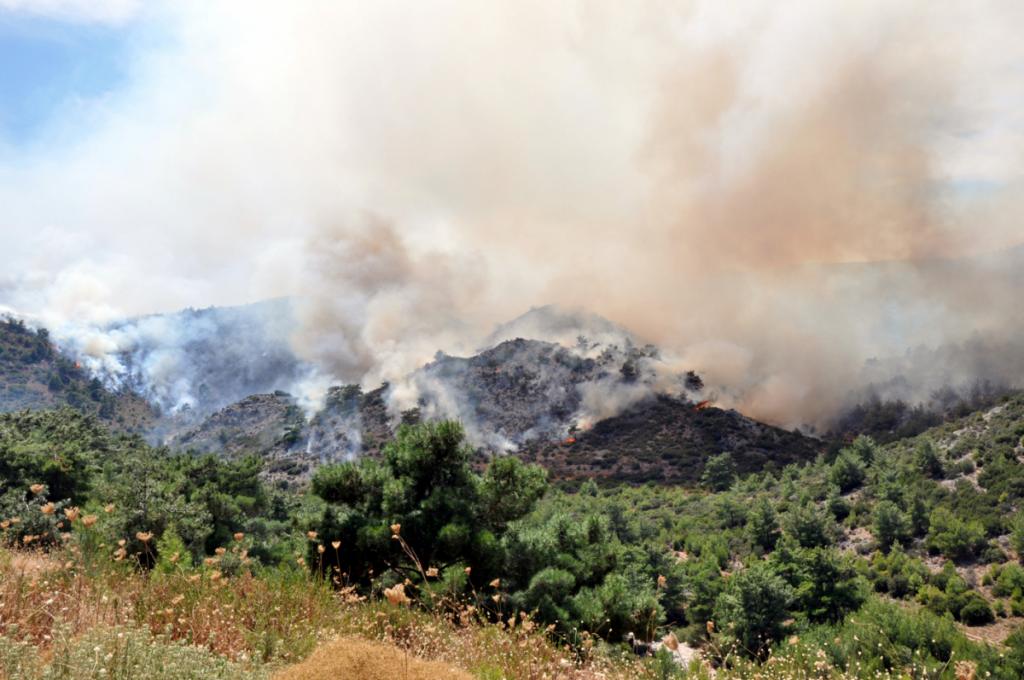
{"x": 669, "y": 440}
{"x": 34, "y": 374}
{"x": 523, "y": 397}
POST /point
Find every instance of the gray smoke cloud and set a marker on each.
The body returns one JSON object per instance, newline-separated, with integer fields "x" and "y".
{"x": 716, "y": 177}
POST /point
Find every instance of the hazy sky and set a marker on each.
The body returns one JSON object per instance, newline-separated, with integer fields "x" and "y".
{"x": 420, "y": 171}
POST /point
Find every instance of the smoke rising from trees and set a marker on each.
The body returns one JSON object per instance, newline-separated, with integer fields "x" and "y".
{"x": 717, "y": 180}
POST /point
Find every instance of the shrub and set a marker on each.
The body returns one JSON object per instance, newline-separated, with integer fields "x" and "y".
{"x": 810, "y": 526}
{"x": 763, "y": 524}
{"x": 847, "y": 472}
{"x": 751, "y": 611}
{"x": 975, "y": 610}
{"x": 927, "y": 460}
{"x": 719, "y": 472}
{"x": 954, "y": 538}
{"x": 890, "y": 525}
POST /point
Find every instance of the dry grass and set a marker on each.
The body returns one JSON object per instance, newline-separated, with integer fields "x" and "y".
{"x": 354, "y": 659}
{"x": 270, "y": 620}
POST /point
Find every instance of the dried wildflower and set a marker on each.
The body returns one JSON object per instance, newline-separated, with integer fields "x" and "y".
{"x": 335, "y": 544}
{"x": 89, "y": 520}
{"x": 496, "y": 597}
{"x": 468, "y": 570}
{"x": 122, "y": 542}
{"x": 966, "y": 670}
{"x": 15, "y": 520}
{"x": 311, "y": 535}
{"x": 219, "y": 551}
{"x": 496, "y": 583}
{"x": 432, "y": 572}
{"x": 794, "y": 639}
{"x": 5, "y": 524}
{"x": 710, "y": 625}
{"x": 173, "y": 559}
{"x": 144, "y": 536}
{"x": 27, "y": 538}
{"x": 671, "y": 641}
{"x": 72, "y": 513}
{"x": 662, "y": 581}
{"x": 37, "y": 489}
{"x": 108, "y": 508}
{"x": 396, "y": 595}
{"x": 120, "y": 554}
{"x": 396, "y": 529}
{"x": 210, "y": 561}
{"x": 48, "y": 509}
{"x": 177, "y": 599}
{"x": 215, "y": 575}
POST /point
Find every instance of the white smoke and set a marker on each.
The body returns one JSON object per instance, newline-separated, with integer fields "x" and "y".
{"x": 415, "y": 173}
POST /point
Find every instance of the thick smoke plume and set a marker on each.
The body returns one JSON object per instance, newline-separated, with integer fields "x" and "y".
{"x": 716, "y": 177}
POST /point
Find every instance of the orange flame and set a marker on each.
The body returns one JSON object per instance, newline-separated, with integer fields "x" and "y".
{"x": 702, "y": 405}
{"x": 569, "y": 440}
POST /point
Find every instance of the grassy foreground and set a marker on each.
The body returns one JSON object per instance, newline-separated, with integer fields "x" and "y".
{"x": 62, "y": 616}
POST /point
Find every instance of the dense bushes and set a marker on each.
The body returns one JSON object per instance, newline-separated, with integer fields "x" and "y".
{"x": 953, "y": 537}
{"x": 789, "y": 555}
{"x": 420, "y": 507}
{"x": 752, "y": 611}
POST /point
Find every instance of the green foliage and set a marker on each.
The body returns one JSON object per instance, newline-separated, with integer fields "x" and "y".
{"x": 173, "y": 553}
{"x": 54, "y": 448}
{"x": 447, "y": 513}
{"x": 811, "y": 527}
{"x": 890, "y": 525}
{"x": 826, "y": 584}
{"x": 719, "y": 472}
{"x": 927, "y": 460}
{"x": 953, "y": 537}
{"x": 763, "y": 524}
{"x": 847, "y": 471}
{"x": 751, "y": 610}
{"x": 884, "y": 636}
{"x": 510, "y": 489}
{"x": 864, "y": 449}
{"x": 975, "y": 610}
{"x": 896, "y": 573}
{"x": 1008, "y": 581}
{"x": 1017, "y": 535}
{"x": 608, "y": 559}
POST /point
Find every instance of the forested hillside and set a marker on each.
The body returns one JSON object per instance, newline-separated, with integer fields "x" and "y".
{"x": 34, "y": 374}
{"x": 902, "y": 558}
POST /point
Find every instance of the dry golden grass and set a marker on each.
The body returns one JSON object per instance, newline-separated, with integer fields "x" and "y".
{"x": 269, "y": 620}
{"x": 355, "y": 659}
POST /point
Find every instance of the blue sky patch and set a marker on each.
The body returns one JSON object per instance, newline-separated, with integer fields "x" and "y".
{"x": 45, "y": 64}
